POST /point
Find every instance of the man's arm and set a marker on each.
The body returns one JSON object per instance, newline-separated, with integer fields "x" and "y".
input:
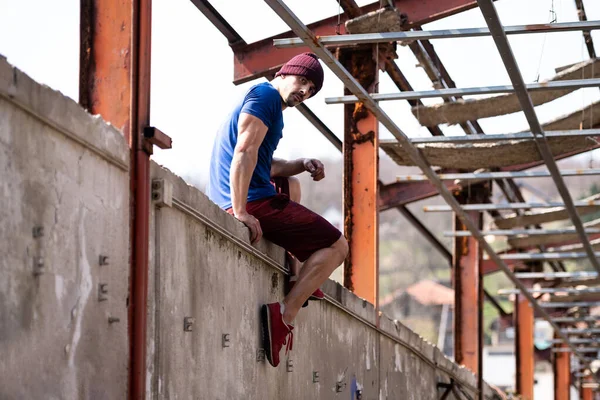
{"x": 286, "y": 168}
{"x": 251, "y": 133}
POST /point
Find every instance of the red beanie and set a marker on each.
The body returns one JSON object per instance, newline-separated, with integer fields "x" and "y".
{"x": 307, "y": 65}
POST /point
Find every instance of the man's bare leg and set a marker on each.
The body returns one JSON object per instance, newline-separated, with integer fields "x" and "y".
{"x": 295, "y": 196}
{"x": 319, "y": 266}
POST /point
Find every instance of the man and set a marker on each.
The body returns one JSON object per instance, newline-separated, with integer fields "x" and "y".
{"x": 249, "y": 183}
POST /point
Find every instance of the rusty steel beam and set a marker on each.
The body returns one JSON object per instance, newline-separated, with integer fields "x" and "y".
{"x": 115, "y": 83}
{"x": 219, "y": 22}
{"x": 260, "y": 58}
{"x": 586, "y": 392}
{"x": 361, "y": 170}
{"x": 587, "y": 37}
{"x": 524, "y": 347}
{"x": 562, "y": 373}
{"x": 468, "y": 291}
{"x": 403, "y": 193}
{"x": 105, "y": 71}
{"x": 488, "y": 266}
{"x": 352, "y": 10}
{"x": 140, "y": 187}
{"x": 445, "y": 252}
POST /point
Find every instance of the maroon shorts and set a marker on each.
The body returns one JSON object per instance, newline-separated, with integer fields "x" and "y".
{"x": 291, "y": 225}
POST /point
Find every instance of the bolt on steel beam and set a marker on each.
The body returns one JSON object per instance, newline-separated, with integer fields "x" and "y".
{"x": 520, "y": 232}
{"x": 386, "y": 37}
{"x": 493, "y": 21}
{"x": 505, "y": 137}
{"x": 557, "y": 275}
{"x": 415, "y": 155}
{"x": 485, "y": 90}
{"x": 510, "y": 206}
{"x": 499, "y": 175}
{"x": 552, "y": 290}
{"x": 547, "y": 256}
{"x": 569, "y": 304}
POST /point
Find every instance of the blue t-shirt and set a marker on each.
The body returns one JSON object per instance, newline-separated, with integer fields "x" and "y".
{"x": 264, "y": 102}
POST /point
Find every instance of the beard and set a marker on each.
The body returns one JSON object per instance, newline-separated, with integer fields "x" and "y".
{"x": 292, "y": 100}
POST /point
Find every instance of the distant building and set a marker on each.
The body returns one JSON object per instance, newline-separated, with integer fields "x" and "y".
{"x": 427, "y": 308}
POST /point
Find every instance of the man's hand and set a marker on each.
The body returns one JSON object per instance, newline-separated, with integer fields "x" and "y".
{"x": 315, "y": 168}
{"x": 253, "y": 224}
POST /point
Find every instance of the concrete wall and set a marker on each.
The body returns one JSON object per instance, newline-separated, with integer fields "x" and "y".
{"x": 216, "y": 279}
{"x": 66, "y": 171}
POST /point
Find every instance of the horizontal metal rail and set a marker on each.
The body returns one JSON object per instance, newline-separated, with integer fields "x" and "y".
{"x": 580, "y": 349}
{"x": 573, "y": 255}
{"x": 499, "y": 175}
{"x": 521, "y": 232}
{"x": 557, "y": 275}
{"x": 569, "y": 331}
{"x": 509, "y": 206}
{"x": 552, "y": 290}
{"x": 570, "y": 304}
{"x": 577, "y": 340}
{"x": 503, "y": 137}
{"x": 386, "y": 37}
{"x": 485, "y": 90}
{"x": 415, "y": 155}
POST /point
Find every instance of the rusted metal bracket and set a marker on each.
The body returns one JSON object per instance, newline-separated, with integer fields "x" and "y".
{"x": 453, "y": 388}
{"x": 157, "y": 137}
{"x": 447, "y": 386}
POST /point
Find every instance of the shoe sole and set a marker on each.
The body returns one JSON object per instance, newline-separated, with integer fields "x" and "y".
{"x": 266, "y": 331}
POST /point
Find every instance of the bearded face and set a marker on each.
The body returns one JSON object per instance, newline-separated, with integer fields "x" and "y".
{"x": 296, "y": 89}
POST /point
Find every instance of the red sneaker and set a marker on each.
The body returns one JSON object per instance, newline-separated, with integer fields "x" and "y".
{"x": 275, "y": 332}
{"x": 317, "y": 294}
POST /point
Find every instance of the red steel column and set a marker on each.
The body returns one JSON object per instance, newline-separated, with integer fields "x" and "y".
{"x": 562, "y": 374}
{"x": 115, "y": 83}
{"x": 468, "y": 289}
{"x": 361, "y": 169}
{"x": 105, "y": 77}
{"x": 524, "y": 347}
{"x": 586, "y": 393}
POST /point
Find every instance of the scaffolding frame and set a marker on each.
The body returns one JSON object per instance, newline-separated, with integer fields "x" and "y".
{"x": 360, "y": 94}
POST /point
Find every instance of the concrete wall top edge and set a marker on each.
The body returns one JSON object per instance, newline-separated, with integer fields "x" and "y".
{"x": 63, "y": 114}
{"x": 197, "y": 200}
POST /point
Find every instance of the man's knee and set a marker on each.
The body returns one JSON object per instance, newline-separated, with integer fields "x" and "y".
{"x": 342, "y": 246}
{"x": 295, "y": 189}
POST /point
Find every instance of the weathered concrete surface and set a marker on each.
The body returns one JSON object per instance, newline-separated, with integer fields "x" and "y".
{"x": 382, "y": 20}
{"x": 201, "y": 274}
{"x": 473, "y": 109}
{"x": 514, "y": 220}
{"x": 65, "y": 171}
{"x": 501, "y": 154}
{"x": 472, "y": 156}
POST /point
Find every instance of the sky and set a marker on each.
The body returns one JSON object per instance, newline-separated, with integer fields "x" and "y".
{"x": 192, "y": 67}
